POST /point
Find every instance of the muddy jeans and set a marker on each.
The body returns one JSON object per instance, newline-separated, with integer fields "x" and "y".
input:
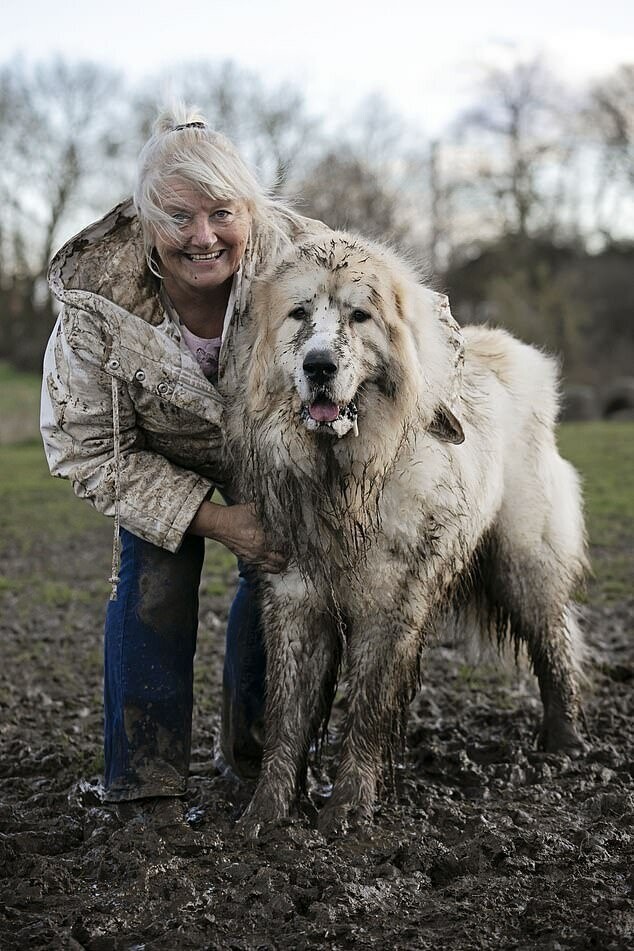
{"x": 150, "y": 642}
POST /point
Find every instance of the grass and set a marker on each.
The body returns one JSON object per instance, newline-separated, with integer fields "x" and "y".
{"x": 604, "y": 455}
{"x": 32, "y": 504}
{"x": 19, "y": 405}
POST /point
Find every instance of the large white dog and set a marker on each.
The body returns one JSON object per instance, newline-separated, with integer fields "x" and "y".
{"x": 410, "y": 470}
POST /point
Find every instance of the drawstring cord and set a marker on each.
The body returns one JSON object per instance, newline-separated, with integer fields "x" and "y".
{"x": 116, "y": 541}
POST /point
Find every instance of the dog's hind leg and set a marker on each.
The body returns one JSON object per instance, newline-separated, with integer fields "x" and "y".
{"x": 550, "y": 634}
{"x": 530, "y": 569}
{"x": 552, "y": 654}
{"x": 303, "y": 645}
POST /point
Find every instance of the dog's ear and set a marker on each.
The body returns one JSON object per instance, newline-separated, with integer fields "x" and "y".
{"x": 445, "y": 426}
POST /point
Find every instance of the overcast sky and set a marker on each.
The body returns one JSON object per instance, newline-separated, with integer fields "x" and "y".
{"x": 422, "y": 56}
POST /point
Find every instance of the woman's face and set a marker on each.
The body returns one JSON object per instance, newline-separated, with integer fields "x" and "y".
{"x": 212, "y": 237}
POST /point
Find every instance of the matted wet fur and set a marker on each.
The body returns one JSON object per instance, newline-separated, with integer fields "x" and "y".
{"x": 411, "y": 472}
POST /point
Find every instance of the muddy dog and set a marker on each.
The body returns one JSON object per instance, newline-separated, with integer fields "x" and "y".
{"x": 410, "y": 471}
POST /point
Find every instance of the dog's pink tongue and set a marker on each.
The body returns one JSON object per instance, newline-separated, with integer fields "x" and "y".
{"x": 323, "y": 411}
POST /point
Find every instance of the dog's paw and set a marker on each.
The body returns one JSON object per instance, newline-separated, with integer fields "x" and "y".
{"x": 250, "y": 826}
{"x": 559, "y": 735}
{"x": 262, "y": 811}
{"x": 339, "y": 819}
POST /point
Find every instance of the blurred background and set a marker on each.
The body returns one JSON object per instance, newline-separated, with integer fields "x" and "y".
{"x": 495, "y": 147}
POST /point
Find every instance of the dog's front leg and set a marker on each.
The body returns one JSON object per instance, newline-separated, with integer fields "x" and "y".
{"x": 303, "y": 648}
{"x": 383, "y": 662}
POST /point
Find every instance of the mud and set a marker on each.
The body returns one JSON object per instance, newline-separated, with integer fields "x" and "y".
{"x": 491, "y": 844}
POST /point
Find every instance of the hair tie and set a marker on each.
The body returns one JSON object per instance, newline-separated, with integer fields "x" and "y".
{"x": 190, "y": 125}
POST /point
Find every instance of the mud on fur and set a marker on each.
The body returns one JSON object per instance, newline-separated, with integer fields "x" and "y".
{"x": 410, "y": 470}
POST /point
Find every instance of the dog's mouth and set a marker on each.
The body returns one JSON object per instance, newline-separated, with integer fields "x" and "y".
{"x": 325, "y": 416}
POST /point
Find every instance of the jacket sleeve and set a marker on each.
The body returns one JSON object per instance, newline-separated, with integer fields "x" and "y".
{"x": 158, "y": 499}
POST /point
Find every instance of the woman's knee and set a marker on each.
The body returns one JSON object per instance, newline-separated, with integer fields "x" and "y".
{"x": 161, "y": 586}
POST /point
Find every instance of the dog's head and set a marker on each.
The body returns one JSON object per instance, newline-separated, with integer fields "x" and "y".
{"x": 346, "y": 337}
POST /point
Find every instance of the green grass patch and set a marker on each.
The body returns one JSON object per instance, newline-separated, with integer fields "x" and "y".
{"x": 9, "y": 584}
{"x": 19, "y": 405}
{"x": 220, "y": 570}
{"x": 604, "y": 455}
{"x": 58, "y": 594}
{"x": 35, "y": 506}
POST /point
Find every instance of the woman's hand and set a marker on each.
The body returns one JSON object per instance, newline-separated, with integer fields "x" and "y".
{"x": 237, "y": 528}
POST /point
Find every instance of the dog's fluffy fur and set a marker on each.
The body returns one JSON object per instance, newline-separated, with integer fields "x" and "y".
{"x": 410, "y": 471}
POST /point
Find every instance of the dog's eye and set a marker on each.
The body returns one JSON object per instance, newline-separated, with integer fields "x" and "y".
{"x": 298, "y": 313}
{"x": 359, "y": 316}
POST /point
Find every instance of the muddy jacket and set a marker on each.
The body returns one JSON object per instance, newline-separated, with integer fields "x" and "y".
{"x": 127, "y": 414}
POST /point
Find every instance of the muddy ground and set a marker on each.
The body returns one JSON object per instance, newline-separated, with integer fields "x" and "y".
{"x": 491, "y": 844}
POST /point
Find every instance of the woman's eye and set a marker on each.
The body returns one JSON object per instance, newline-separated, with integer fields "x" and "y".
{"x": 359, "y": 316}
{"x": 222, "y": 213}
{"x": 180, "y": 217}
{"x": 297, "y": 313}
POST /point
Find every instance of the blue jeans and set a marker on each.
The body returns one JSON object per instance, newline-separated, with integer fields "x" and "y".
{"x": 150, "y": 642}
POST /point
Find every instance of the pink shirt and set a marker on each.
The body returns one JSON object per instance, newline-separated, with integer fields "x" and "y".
{"x": 205, "y": 350}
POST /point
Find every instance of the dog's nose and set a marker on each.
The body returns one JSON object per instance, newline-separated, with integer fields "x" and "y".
{"x": 320, "y": 365}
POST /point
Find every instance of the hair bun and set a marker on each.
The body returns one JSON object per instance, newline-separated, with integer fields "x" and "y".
{"x": 178, "y": 116}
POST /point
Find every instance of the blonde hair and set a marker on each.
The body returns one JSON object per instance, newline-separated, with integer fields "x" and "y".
{"x": 183, "y": 147}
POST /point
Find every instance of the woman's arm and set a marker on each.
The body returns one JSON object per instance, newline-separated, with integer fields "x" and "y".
{"x": 159, "y": 501}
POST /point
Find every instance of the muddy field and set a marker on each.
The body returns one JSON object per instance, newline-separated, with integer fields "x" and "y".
{"x": 491, "y": 843}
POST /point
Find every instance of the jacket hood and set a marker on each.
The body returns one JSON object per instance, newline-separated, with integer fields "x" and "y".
{"x": 107, "y": 259}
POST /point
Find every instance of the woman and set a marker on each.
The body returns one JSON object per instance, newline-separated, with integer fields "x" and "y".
{"x": 131, "y": 413}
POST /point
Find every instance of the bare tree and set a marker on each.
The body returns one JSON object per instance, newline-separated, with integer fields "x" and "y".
{"x": 59, "y": 130}
{"x": 286, "y": 138}
{"x": 609, "y": 124}
{"x": 371, "y": 178}
{"x": 612, "y": 111}
{"x": 515, "y": 133}
{"x": 343, "y": 191}
{"x": 60, "y": 134}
